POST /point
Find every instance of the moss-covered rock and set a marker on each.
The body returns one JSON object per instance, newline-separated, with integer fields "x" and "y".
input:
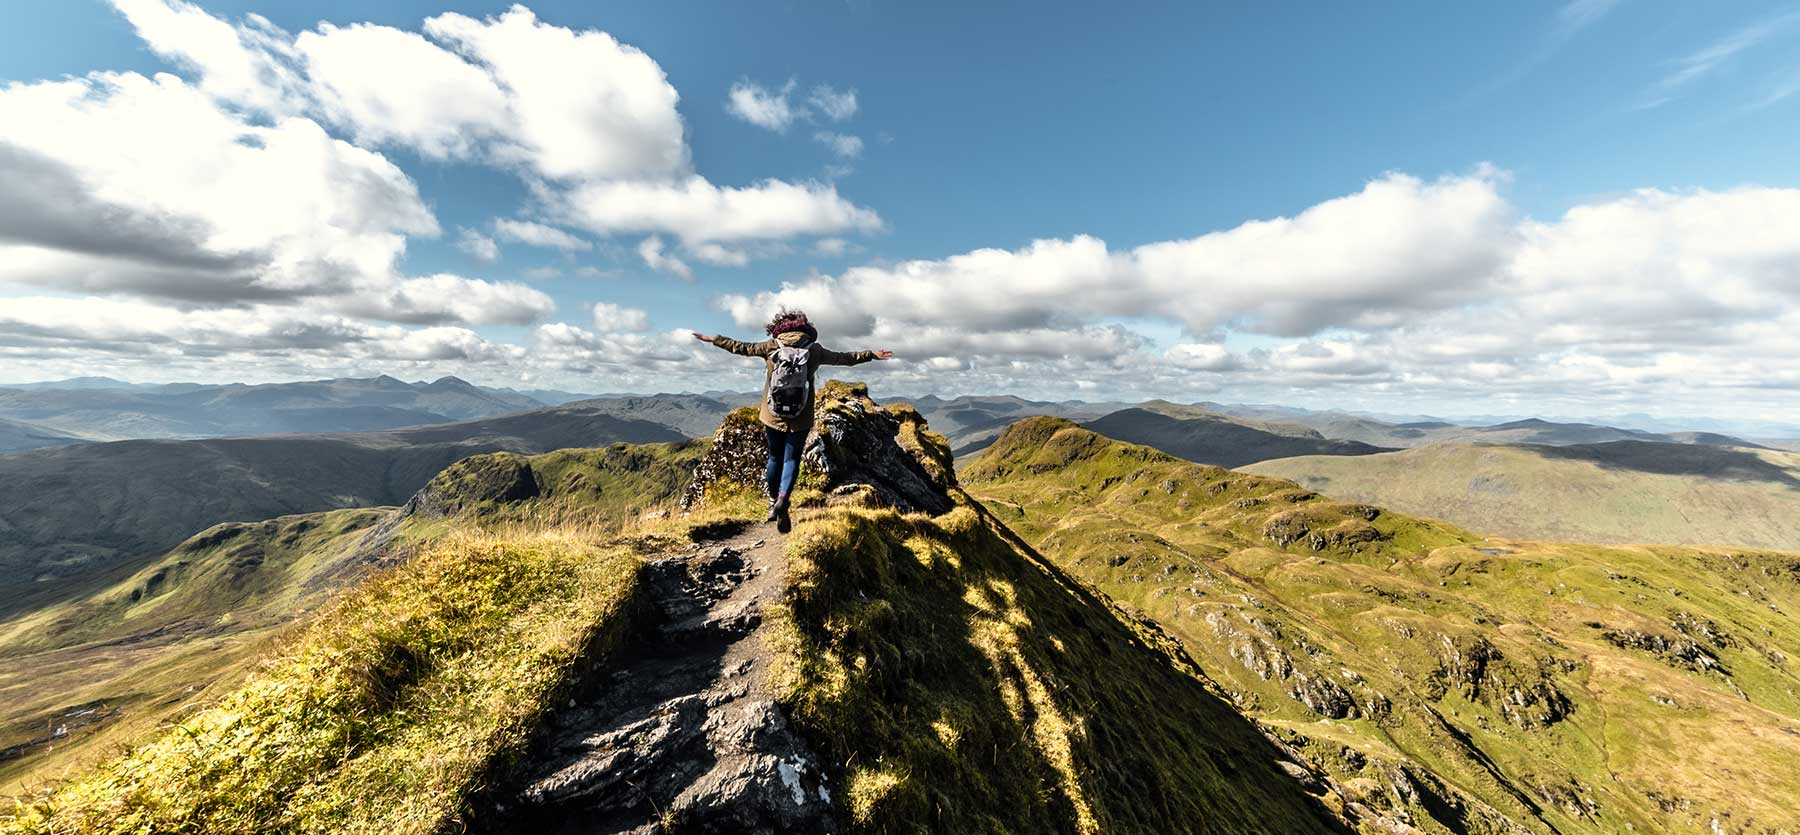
{"x": 889, "y": 450}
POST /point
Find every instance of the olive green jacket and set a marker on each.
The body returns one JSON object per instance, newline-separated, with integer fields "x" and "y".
{"x": 820, "y": 355}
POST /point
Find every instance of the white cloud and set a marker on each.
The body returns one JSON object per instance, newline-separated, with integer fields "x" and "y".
{"x": 185, "y": 209}
{"x": 1703, "y": 61}
{"x": 762, "y": 106}
{"x": 1198, "y": 356}
{"x": 651, "y": 250}
{"x": 583, "y": 118}
{"x": 582, "y": 105}
{"x": 1398, "y": 246}
{"x": 537, "y": 234}
{"x": 152, "y": 333}
{"x": 561, "y": 104}
{"x": 831, "y": 247}
{"x": 443, "y": 298}
{"x": 833, "y": 104}
{"x": 1404, "y": 286}
{"x": 695, "y": 210}
{"x": 719, "y": 255}
{"x": 480, "y": 247}
{"x": 391, "y": 86}
{"x": 612, "y": 318}
{"x": 774, "y": 107}
{"x": 245, "y": 64}
{"x": 843, "y": 145}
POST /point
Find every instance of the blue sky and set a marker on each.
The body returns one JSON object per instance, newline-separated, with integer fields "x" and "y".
{"x": 997, "y": 125}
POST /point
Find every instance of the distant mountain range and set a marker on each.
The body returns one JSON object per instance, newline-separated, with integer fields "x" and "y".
{"x": 98, "y": 409}
{"x": 73, "y": 506}
{"x": 971, "y": 422}
{"x": 75, "y": 513}
{"x": 1207, "y": 437}
{"x": 18, "y": 434}
{"x": 1528, "y": 431}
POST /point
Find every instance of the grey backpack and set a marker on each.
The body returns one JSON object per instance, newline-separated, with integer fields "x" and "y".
{"x": 789, "y": 384}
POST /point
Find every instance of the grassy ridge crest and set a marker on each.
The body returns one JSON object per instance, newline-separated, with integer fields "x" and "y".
{"x": 383, "y": 716}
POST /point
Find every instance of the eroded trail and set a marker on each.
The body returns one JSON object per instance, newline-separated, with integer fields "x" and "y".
{"x": 680, "y": 732}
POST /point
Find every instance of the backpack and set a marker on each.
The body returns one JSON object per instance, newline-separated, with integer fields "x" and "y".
{"x": 790, "y": 386}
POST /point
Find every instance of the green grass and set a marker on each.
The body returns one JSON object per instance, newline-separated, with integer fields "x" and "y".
{"x": 607, "y": 486}
{"x": 1477, "y": 668}
{"x": 1534, "y": 493}
{"x": 961, "y": 684}
{"x": 384, "y": 715}
{"x": 114, "y": 665}
{"x": 110, "y": 665}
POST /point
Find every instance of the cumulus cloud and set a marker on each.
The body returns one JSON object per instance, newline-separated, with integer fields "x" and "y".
{"x": 762, "y": 106}
{"x": 723, "y": 256}
{"x": 618, "y": 121}
{"x": 184, "y": 210}
{"x": 152, "y": 333}
{"x": 695, "y": 210}
{"x": 774, "y": 108}
{"x": 480, "y": 247}
{"x": 1399, "y": 245}
{"x": 246, "y": 65}
{"x": 497, "y": 90}
{"x": 443, "y": 298}
{"x": 612, "y": 318}
{"x": 651, "y": 250}
{"x": 390, "y": 86}
{"x": 1407, "y": 285}
{"x": 537, "y": 234}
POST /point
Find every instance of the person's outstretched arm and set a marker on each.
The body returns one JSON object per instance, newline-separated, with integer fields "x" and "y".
{"x": 748, "y": 349}
{"x": 830, "y": 357}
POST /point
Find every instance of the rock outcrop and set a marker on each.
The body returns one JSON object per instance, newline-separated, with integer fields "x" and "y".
{"x": 859, "y": 452}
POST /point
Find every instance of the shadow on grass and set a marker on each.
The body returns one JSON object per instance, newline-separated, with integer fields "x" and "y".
{"x": 963, "y": 684}
{"x": 1712, "y": 462}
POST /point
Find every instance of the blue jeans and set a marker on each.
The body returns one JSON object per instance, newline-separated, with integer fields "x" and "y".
{"x": 784, "y": 460}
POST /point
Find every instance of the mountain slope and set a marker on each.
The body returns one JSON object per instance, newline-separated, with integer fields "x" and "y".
{"x": 22, "y": 435}
{"x": 693, "y": 415}
{"x": 947, "y": 677}
{"x": 75, "y": 514}
{"x": 114, "y": 662}
{"x": 1450, "y": 683}
{"x": 971, "y": 422}
{"x": 1627, "y": 491}
{"x": 101, "y": 667}
{"x": 1207, "y": 437}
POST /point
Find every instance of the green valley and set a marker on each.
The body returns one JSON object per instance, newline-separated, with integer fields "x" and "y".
{"x": 1618, "y": 492}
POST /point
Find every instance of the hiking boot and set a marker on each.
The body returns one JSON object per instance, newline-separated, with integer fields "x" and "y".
{"x": 779, "y": 512}
{"x": 774, "y": 511}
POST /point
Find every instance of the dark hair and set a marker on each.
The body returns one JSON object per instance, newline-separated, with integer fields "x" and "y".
{"x": 791, "y": 320}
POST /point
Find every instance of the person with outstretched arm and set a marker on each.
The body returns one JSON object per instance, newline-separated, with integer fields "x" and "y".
{"x": 791, "y": 356}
